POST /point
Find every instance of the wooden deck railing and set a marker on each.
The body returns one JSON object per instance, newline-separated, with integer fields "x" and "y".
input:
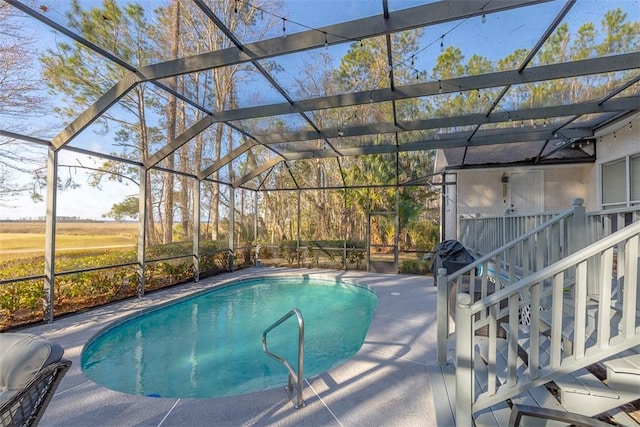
{"x": 534, "y": 250}
{"x": 483, "y": 234}
{"x": 559, "y": 291}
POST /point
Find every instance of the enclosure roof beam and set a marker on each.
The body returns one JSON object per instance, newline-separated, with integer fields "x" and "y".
{"x": 25, "y": 138}
{"x": 100, "y": 51}
{"x": 620, "y": 104}
{"x": 617, "y": 90}
{"x": 293, "y": 178}
{"x": 398, "y": 21}
{"x": 613, "y": 105}
{"x": 613, "y": 120}
{"x": 534, "y": 51}
{"x": 483, "y": 81}
{"x": 550, "y": 29}
{"x": 257, "y": 171}
{"x": 401, "y": 20}
{"x": 179, "y": 141}
{"x": 92, "y": 113}
{"x": 430, "y": 14}
{"x": 459, "y": 139}
{"x": 227, "y": 32}
{"x": 243, "y": 148}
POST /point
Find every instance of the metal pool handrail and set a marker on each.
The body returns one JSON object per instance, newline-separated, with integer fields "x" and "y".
{"x": 292, "y": 373}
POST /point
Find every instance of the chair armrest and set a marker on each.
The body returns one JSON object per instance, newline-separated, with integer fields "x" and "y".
{"x": 519, "y": 411}
{"x": 27, "y": 406}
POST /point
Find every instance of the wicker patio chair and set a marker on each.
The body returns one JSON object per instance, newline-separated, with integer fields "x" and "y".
{"x": 31, "y": 369}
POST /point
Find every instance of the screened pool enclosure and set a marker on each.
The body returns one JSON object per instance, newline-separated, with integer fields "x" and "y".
{"x": 225, "y": 134}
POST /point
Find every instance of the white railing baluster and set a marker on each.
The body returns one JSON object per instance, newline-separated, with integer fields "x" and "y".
{"x": 526, "y": 257}
{"x": 511, "y": 254}
{"x": 512, "y": 339}
{"x": 607, "y": 226}
{"x": 534, "y": 332}
{"x": 556, "y": 320}
{"x": 492, "y": 350}
{"x": 485, "y": 279}
{"x": 621, "y": 268}
{"x": 552, "y": 247}
{"x": 540, "y": 250}
{"x": 580, "y": 317}
{"x": 604, "y": 301}
{"x": 630, "y": 291}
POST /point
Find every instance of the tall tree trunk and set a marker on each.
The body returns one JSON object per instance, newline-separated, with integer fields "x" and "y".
{"x": 171, "y": 127}
{"x": 185, "y": 182}
{"x": 215, "y": 190}
{"x": 144, "y": 148}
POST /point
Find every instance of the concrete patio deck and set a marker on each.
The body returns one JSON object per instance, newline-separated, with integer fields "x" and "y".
{"x": 385, "y": 384}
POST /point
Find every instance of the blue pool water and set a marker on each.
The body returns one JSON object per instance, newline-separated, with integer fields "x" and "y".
{"x": 210, "y": 345}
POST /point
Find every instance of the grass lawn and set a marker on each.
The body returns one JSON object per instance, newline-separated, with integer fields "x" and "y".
{"x": 26, "y": 239}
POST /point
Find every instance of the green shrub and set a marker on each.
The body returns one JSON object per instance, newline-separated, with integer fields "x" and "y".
{"x": 414, "y": 266}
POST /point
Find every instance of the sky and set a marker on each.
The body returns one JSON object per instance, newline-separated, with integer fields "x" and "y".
{"x": 499, "y": 35}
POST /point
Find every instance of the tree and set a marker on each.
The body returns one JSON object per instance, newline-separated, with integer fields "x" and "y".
{"x": 171, "y": 112}
{"x": 129, "y": 208}
{"x": 83, "y": 77}
{"x": 215, "y": 89}
{"x": 20, "y": 102}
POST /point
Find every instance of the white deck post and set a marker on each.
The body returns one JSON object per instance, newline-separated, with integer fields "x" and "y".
{"x": 464, "y": 365}
{"x": 442, "y": 316}
{"x": 50, "y": 235}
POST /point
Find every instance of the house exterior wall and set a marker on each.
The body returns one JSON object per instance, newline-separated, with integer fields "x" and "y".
{"x": 626, "y": 142}
{"x": 480, "y": 191}
{"x": 613, "y": 144}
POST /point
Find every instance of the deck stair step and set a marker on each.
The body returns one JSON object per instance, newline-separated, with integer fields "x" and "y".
{"x": 502, "y": 367}
{"x": 623, "y": 374}
{"x": 544, "y": 345}
{"x": 568, "y": 326}
{"x": 622, "y": 418}
{"x": 498, "y": 415}
{"x": 582, "y": 392}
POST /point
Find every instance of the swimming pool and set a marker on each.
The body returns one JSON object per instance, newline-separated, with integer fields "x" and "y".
{"x": 210, "y": 344}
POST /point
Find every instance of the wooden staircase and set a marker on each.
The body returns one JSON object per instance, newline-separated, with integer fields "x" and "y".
{"x": 584, "y": 311}
{"x": 583, "y": 391}
{"x": 580, "y": 391}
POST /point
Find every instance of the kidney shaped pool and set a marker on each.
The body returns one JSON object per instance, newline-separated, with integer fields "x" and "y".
{"x": 210, "y": 344}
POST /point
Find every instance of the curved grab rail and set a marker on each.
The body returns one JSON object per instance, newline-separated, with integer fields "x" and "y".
{"x": 292, "y": 373}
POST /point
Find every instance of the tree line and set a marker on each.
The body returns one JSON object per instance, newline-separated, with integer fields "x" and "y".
{"x": 148, "y": 117}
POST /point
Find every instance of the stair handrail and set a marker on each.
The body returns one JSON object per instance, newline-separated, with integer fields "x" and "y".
{"x": 604, "y": 345}
{"x": 293, "y": 374}
{"x": 512, "y": 250}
